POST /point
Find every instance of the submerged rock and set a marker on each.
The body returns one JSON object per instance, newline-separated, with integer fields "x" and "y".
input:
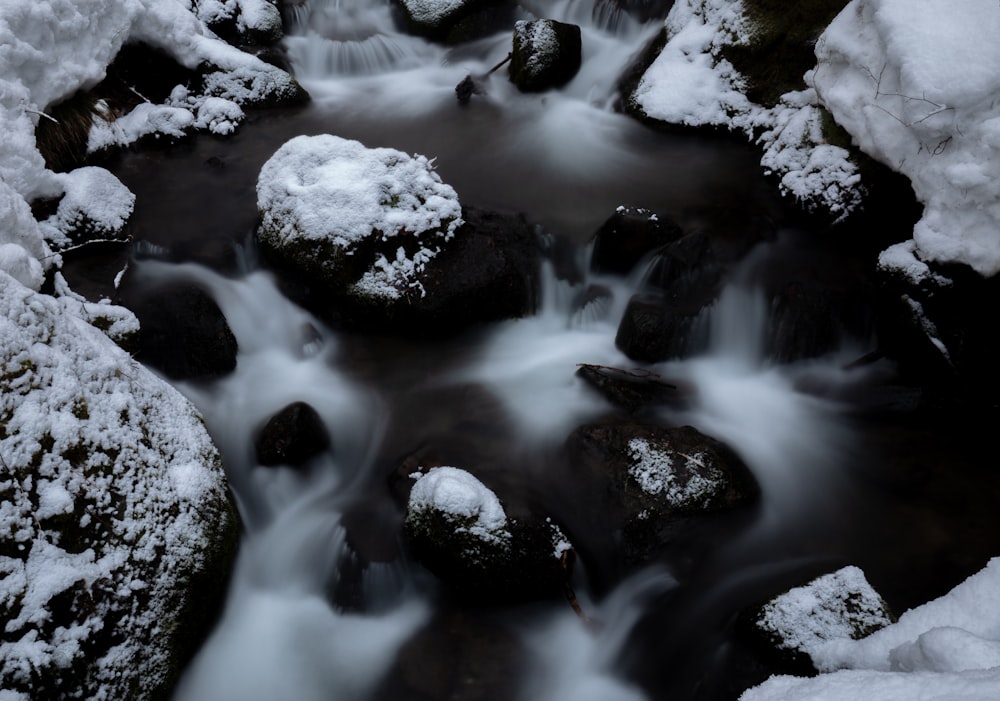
{"x": 839, "y": 605}
{"x": 380, "y": 243}
{"x": 655, "y": 328}
{"x": 116, "y": 527}
{"x": 292, "y": 436}
{"x": 457, "y": 527}
{"x": 656, "y": 480}
{"x": 547, "y": 54}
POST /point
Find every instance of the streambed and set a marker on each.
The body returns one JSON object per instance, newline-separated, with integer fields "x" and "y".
{"x": 324, "y": 596}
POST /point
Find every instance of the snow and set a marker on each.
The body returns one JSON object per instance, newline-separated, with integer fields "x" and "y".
{"x": 541, "y": 38}
{"x": 691, "y": 83}
{"x": 915, "y": 86}
{"x": 325, "y": 188}
{"x": 839, "y": 605}
{"x": 432, "y": 11}
{"x": 49, "y": 49}
{"x": 462, "y": 499}
{"x": 95, "y": 204}
{"x": 661, "y": 471}
{"x": 948, "y": 648}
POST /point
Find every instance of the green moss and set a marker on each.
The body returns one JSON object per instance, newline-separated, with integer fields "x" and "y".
{"x": 782, "y": 46}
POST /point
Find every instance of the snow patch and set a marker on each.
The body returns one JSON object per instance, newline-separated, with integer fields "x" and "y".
{"x": 462, "y": 499}
{"x": 662, "y": 472}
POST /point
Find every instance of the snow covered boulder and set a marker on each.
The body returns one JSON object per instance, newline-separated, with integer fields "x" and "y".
{"x": 457, "y": 527}
{"x": 455, "y": 21}
{"x": 247, "y": 22}
{"x": 116, "y": 527}
{"x": 547, "y": 54}
{"x": 839, "y": 605}
{"x": 95, "y": 206}
{"x": 655, "y": 482}
{"x": 379, "y": 241}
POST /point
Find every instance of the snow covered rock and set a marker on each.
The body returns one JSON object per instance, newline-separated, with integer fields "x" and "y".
{"x": 944, "y": 649}
{"x": 694, "y": 81}
{"x": 839, "y": 605}
{"x": 382, "y": 242}
{"x": 95, "y": 206}
{"x": 914, "y": 86}
{"x": 249, "y": 22}
{"x": 547, "y": 54}
{"x": 454, "y": 21}
{"x": 458, "y": 529}
{"x": 116, "y": 528}
{"x": 653, "y": 482}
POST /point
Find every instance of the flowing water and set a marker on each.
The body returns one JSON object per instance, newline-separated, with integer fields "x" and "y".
{"x": 324, "y": 603}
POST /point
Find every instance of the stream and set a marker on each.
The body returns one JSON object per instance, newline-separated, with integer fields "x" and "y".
{"x": 325, "y": 602}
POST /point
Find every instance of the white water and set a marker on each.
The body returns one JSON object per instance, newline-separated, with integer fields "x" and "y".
{"x": 281, "y": 636}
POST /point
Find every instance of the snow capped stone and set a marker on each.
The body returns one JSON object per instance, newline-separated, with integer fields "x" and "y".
{"x": 840, "y": 605}
{"x": 328, "y": 196}
{"x": 463, "y": 500}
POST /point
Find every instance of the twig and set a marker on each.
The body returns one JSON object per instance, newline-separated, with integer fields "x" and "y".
{"x": 42, "y": 114}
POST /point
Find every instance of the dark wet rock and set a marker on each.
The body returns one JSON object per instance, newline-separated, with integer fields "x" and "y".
{"x": 458, "y": 528}
{"x": 841, "y": 605}
{"x": 936, "y": 330}
{"x": 628, "y": 236}
{"x": 489, "y": 272}
{"x": 655, "y": 328}
{"x": 547, "y": 54}
{"x": 292, "y": 436}
{"x": 631, "y": 390}
{"x": 183, "y": 333}
{"x": 456, "y": 22}
{"x": 657, "y": 481}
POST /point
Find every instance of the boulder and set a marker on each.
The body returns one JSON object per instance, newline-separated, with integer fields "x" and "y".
{"x": 457, "y": 527}
{"x": 292, "y": 436}
{"x": 183, "y": 333}
{"x": 628, "y": 236}
{"x": 246, "y": 23}
{"x": 117, "y": 532}
{"x": 835, "y": 606}
{"x": 547, "y": 54}
{"x": 658, "y": 481}
{"x": 378, "y": 242}
{"x": 655, "y": 328}
{"x": 95, "y": 206}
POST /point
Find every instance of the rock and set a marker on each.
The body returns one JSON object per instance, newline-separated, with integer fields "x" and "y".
{"x": 292, "y": 436}
{"x": 77, "y": 221}
{"x": 183, "y": 333}
{"x": 655, "y": 328}
{"x": 628, "y": 236}
{"x": 630, "y": 390}
{"x": 456, "y": 21}
{"x": 657, "y": 481}
{"x": 459, "y": 530}
{"x": 246, "y": 23}
{"x": 547, "y": 54}
{"x": 118, "y": 529}
{"x": 380, "y": 243}
{"x": 839, "y": 605}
